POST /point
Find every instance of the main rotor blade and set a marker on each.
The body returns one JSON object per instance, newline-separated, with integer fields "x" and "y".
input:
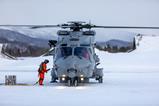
{"x": 82, "y": 26}
{"x": 125, "y": 27}
{"x": 31, "y": 26}
{"x": 17, "y": 25}
{"x": 44, "y": 26}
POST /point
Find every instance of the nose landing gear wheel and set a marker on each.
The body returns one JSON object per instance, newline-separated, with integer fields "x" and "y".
{"x": 76, "y": 83}
{"x": 72, "y": 82}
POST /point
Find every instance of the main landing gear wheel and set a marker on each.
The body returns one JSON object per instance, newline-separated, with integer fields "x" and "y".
{"x": 69, "y": 82}
{"x": 100, "y": 80}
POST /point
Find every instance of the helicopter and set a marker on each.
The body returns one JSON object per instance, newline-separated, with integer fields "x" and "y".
{"x": 74, "y": 58}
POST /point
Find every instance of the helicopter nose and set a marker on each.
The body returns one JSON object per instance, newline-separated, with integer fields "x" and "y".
{"x": 72, "y": 64}
{"x": 71, "y": 68}
{"x": 72, "y": 72}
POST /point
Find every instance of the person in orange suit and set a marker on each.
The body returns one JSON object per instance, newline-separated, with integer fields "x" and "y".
{"x": 42, "y": 70}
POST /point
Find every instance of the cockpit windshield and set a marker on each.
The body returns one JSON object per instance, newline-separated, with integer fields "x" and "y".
{"x": 81, "y": 52}
{"x": 64, "y": 52}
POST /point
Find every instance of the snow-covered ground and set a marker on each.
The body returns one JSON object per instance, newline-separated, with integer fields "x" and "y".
{"x": 129, "y": 80}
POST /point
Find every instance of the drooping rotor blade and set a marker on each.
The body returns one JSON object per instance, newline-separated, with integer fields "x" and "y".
{"x": 125, "y": 27}
{"x": 31, "y": 26}
{"x": 44, "y": 26}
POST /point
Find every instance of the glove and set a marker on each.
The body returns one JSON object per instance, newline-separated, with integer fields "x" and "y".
{"x": 47, "y": 70}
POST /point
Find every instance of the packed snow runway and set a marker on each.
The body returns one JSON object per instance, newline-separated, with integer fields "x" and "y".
{"x": 129, "y": 80}
{"x": 126, "y": 89}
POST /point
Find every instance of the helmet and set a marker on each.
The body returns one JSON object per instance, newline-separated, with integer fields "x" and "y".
{"x": 46, "y": 61}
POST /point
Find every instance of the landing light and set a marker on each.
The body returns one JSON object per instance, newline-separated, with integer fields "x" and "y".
{"x": 64, "y": 75}
{"x": 63, "y": 79}
{"x": 82, "y": 79}
{"x": 81, "y": 75}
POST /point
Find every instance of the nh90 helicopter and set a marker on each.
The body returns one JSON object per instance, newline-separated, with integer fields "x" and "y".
{"x": 75, "y": 60}
{"x": 74, "y": 57}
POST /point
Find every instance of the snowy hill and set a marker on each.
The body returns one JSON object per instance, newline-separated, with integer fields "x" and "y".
{"x": 145, "y": 57}
{"x": 13, "y": 36}
{"x": 4, "y": 55}
{"x": 34, "y": 33}
{"x": 1, "y": 51}
{"x": 17, "y": 44}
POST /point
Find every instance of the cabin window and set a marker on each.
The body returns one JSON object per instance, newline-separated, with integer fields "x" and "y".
{"x": 82, "y": 52}
{"x": 64, "y": 52}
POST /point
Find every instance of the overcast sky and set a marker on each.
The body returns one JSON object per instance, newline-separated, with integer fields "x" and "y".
{"x": 105, "y": 12}
{"x": 100, "y": 12}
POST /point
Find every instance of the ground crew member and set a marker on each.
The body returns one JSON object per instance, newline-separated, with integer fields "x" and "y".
{"x": 42, "y": 70}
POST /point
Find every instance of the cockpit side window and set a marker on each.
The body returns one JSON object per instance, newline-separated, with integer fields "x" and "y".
{"x": 64, "y": 52}
{"x": 82, "y": 52}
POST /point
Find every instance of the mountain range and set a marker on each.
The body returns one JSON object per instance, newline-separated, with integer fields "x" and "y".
{"x": 18, "y": 44}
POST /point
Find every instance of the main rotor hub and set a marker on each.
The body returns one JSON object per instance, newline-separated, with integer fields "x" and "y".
{"x": 76, "y": 25}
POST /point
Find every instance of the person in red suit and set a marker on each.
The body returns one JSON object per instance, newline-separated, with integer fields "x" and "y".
{"x": 42, "y": 70}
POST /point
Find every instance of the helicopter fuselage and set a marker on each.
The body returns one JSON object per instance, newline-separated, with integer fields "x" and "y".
{"x": 75, "y": 57}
